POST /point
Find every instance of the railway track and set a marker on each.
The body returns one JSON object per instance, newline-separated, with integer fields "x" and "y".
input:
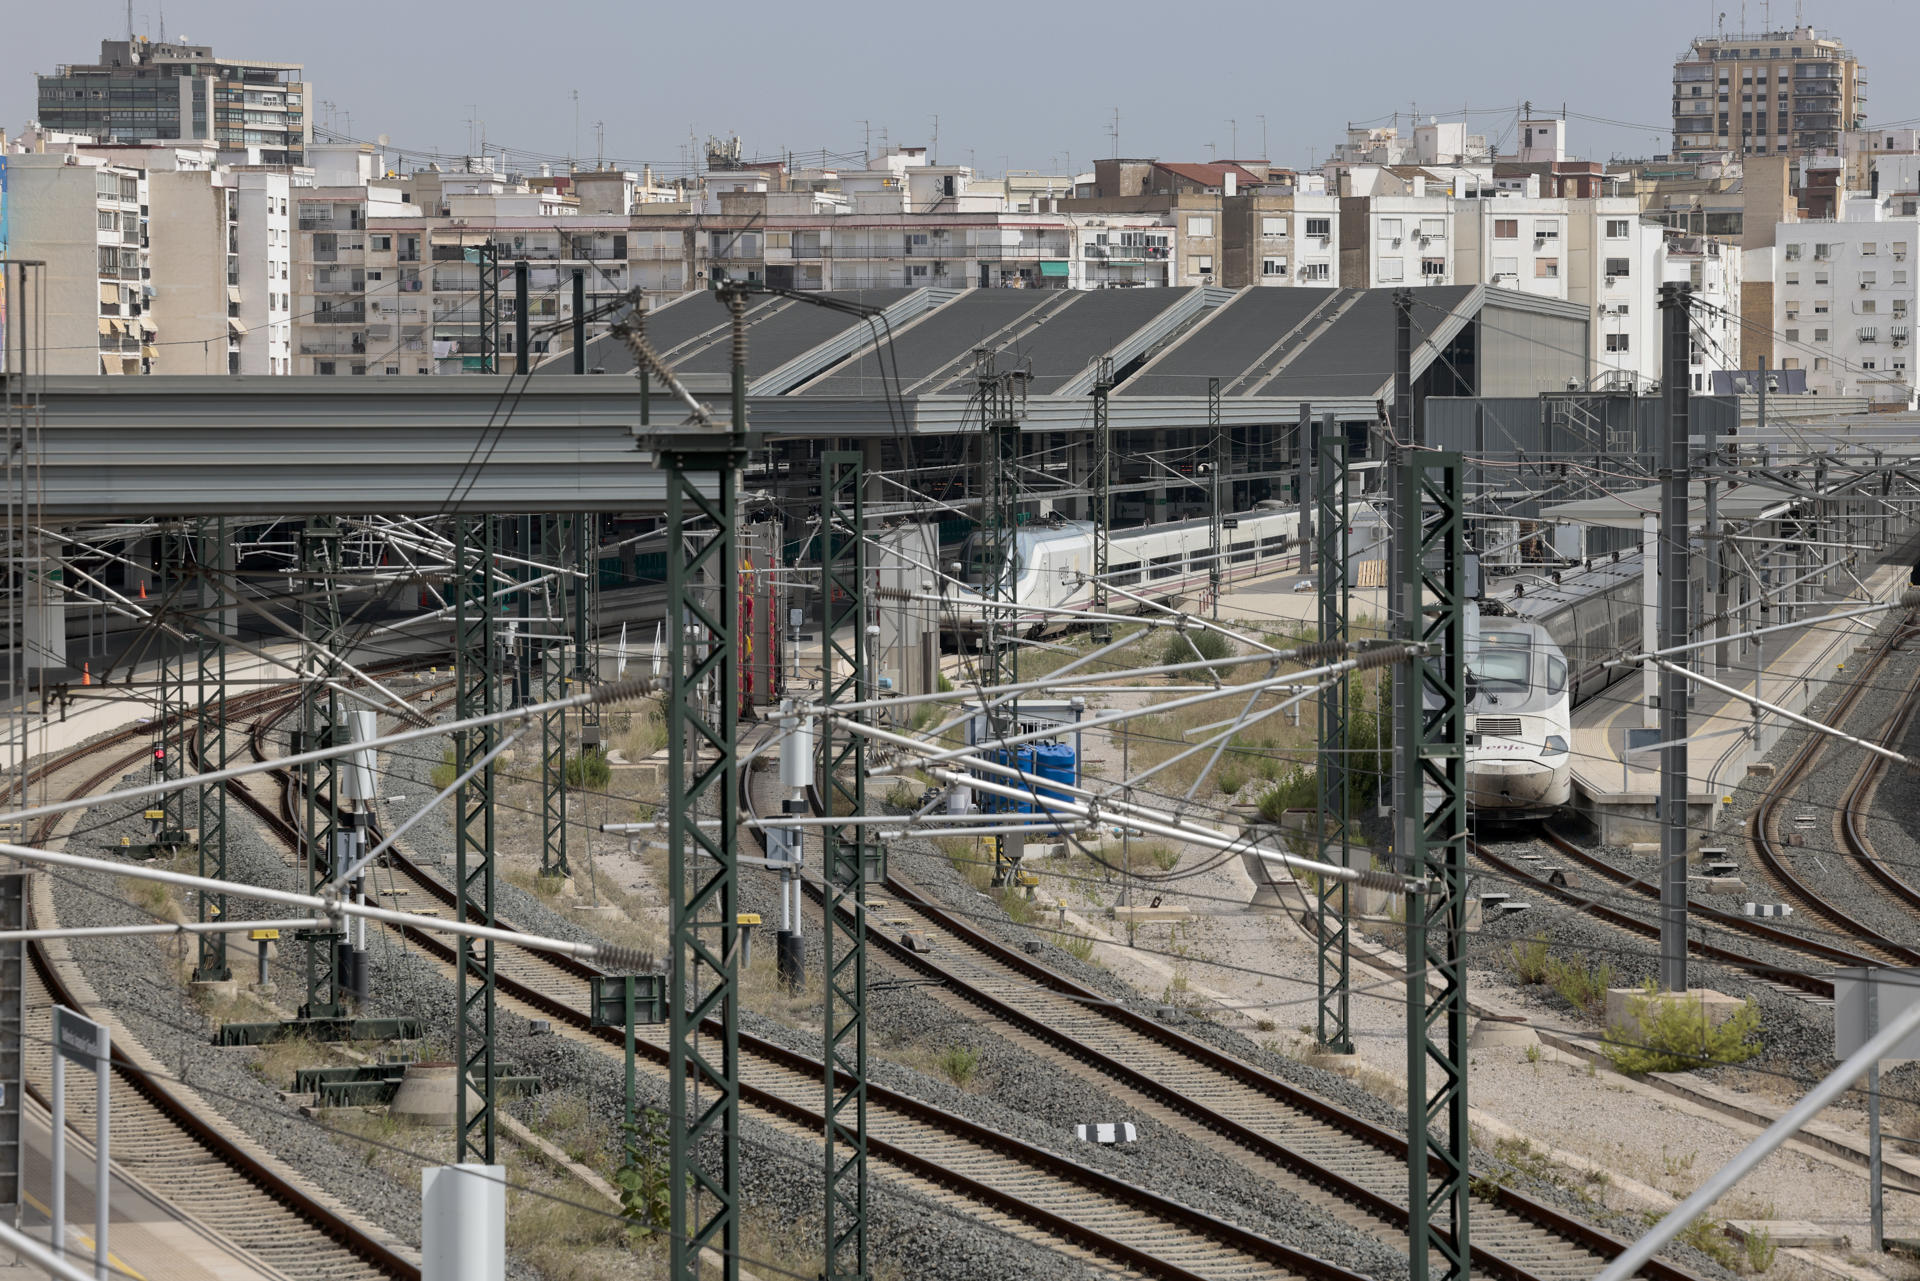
{"x": 165, "y": 1139}
{"x": 988, "y": 1175}
{"x": 1763, "y": 827}
{"x": 1352, "y": 1170}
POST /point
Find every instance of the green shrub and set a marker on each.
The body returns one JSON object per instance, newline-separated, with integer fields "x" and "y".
{"x": 589, "y": 768}
{"x": 1581, "y": 987}
{"x": 1298, "y": 788}
{"x": 1232, "y": 777}
{"x": 1529, "y": 960}
{"x": 1078, "y": 946}
{"x": 960, "y": 1062}
{"x": 1676, "y": 1035}
{"x": 1192, "y": 646}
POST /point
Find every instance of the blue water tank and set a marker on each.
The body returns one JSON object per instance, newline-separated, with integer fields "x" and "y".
{"x": 1055, "y": 761}
{"x": 1020, "y": 758}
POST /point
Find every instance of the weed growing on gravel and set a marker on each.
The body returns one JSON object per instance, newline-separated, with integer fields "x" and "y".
{"x": 1232, "y": 777}
{"x": 964, "y": 853}
{"x": 1164, "y": 857}
{"x": 1709, "y": 1236}
{"x": 1760, "y": 1250}
{"x": 1582, "y": 987}
{"x": 1296, "y": 789}
{"x": 1528, "y": 960}
{"x": 960, "y": 1063}
{"x": 1018, "y": 907}
{"x": 1078, "y": 946}
{"x": 1190, "y": 647}
{"x": 1675, "y": 1035}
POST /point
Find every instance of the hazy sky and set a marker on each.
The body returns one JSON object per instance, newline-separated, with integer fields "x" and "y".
{"x": 1025, "y": 85}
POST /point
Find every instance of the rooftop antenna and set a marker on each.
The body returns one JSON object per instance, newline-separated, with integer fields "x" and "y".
{"x": 866, "y": 147}
{"x": 1233, "y": 135}
{"x": 1115, "y": 131}
{"x": 163, "y": 24}
{"x": 599, "y": 143}
{"x": 1263, "y": 138}
{"x": 129, "y": 25}
{"x": 935, "y": 149}
{"x": 575, "y": 95}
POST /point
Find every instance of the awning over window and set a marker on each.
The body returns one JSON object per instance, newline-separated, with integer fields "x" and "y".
{"x": 233, "y": 293}
{"x": 106, "y": 326}
{"x": 1053, "y": 268}
{"x": 110, "y": 294}
{"x": 234, "y": 326}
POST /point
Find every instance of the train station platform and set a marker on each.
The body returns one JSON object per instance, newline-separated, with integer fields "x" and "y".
{"x": 1618, "y": 787}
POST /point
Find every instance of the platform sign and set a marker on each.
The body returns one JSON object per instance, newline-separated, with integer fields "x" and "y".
{"x": 90, "y": 1045}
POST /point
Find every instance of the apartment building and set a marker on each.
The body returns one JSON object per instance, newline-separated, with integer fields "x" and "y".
{"x": 1844, "y": 300}
{"x": 221, "y": 253}
{"x": 1794, "y": 92}
{"x": 1713, "y": 270}
{"x": 1614, "y": 266}
{"x": 332, "y": 284}
{"x": 142, "y": 91}
{"x": 86, "y": 219}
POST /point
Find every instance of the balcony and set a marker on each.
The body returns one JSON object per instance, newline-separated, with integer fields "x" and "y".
{"x": 341, "y": 316}
{"x": 450, "y": 253}
{"x": 328, "y": 345}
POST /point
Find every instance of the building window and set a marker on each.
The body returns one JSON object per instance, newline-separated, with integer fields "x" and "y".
{"x": 323, "y": 366}
{"x": 1821, "y": 253}
{"x": 1200, "y": 265}
{"x": 1618, "y": 228}
{"x": 380, "y": 244}
{"x": 1433, "y": 228}
{"x": 1820, "y": 278}
{"x": 1546, "y": 268}
{"x": 1869, "y": 307}
{"x": 1200, "y": 225}
{"x": 1322, "y": 227}
{"x": 1819, "y": 306}
{"x": 1869, "y": 248}
{"x": 1619, "y": 266}
{"x": 1390, "y": 229}
{"x": 1546, "y": 231}
{"x": 1790, "y": 362}
{"x": 1393, "y": 269}
{"x": 1506, "y": 228}
{"x": 1316, "y": 271}
{"x": 1793, "y": 335}
{"x": 1433, "y": 268}
{"x": 1506, "y": 267}
{"x": 1273, "y": 266}
{"x": 1869, "y": 333}
{"x": 1270, "y": 226}
{"x": 1793, "y": 277}
{"x": 1821, "y": 335}
{"x": 1618, "y": 342}
{"x": 1867, "y": 363}
{"x": 1819, "y": 364}
{"x": 109, "y": 220}
{"x": 1866, "y": 280}
{"x": 1793, "y": 253}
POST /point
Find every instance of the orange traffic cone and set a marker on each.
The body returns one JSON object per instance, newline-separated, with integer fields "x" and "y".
{"x": 86, "y": 673}
{"x": 143, "y": 589}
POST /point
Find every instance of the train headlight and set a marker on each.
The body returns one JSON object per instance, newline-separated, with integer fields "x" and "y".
{"x": 1555, "y": 746}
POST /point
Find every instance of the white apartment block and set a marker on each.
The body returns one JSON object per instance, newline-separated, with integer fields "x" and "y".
{"x": 86, "y": 219}
{"x": 1614, "y": 267}
{"x": 1844, "y": 299}
{"x": 221, "y": 254}
{"x": 1299, "y": 242}
{"x": 1713, "y": 269}
{"x": 1513, "y": 242}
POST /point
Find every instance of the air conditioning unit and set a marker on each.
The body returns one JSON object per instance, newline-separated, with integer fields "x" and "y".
{"x": 1866, "y": 284}
{"x": 1610, "y": 281}
{"x": 1425, "y": 241}
{"x": 1396, "y": 242}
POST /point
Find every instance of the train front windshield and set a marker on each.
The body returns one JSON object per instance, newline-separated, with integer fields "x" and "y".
{"x": 1514, "y": 674}
{"x": 977, "y": 558}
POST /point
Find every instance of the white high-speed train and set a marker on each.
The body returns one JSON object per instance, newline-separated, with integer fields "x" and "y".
{"x": 1518, "y": 733}
{"x": 1545, "y": 642}
{"x": 1053, "y": 565}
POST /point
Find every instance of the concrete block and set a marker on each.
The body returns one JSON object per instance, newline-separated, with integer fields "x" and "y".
{"x": 1716, "y": 885}
{"x": 1501, "y": 1034}
{"x": 426, "y": 1095}
{"x": 1645, "y": 849}
{"x": 1760, "y": 769}
{"x": 1143, "y": 914}
{"x": 1792, "y": 1234}
{"x": 1622, "y": 1023}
